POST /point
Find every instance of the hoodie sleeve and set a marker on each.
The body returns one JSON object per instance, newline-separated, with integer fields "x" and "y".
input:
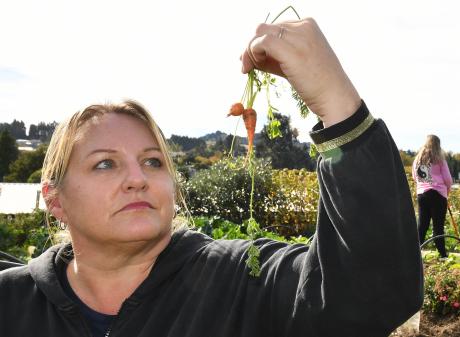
{"x": 363, "y": 274}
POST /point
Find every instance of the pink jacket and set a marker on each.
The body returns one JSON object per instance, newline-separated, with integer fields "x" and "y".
{"x": 432, "y": 177}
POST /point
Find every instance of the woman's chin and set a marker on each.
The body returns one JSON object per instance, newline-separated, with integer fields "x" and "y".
{"x": 144, "y": 231}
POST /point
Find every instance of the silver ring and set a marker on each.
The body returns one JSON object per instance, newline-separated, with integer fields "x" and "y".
{"x": 281, "y": 33}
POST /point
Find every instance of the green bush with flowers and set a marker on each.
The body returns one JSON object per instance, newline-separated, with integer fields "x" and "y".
{"x": 442, "y": 286}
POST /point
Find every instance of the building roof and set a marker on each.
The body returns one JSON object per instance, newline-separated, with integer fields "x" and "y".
{"x": 20, "y": 198}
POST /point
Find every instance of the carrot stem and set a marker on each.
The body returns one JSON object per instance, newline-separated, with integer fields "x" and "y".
{"x": 234, "y": 137}
{"x": 284, "y": 10}
{"x": 252, "y": 173}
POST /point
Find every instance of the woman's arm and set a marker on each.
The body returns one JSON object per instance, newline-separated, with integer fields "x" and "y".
{"x": 446, "y": 175}
{"x": 367, "y": 244}
{"x": 362, "y": 275}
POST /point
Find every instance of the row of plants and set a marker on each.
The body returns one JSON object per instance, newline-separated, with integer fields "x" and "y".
{"x": 218, "y": 228}
{"x": 26, "y": 236}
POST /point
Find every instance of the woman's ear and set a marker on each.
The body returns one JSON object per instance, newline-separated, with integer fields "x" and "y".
{"x": 51, "y": 197}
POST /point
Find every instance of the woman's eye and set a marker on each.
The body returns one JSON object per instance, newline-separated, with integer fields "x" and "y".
{"x": 104, "y": 164}
{"x": 153, "y": 162}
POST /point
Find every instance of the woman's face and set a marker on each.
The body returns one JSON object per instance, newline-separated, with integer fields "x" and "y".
{"x": 117, "y": 187}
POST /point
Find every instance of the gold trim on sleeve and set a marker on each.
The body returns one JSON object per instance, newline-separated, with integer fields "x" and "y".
{"x": 347, "y": 137}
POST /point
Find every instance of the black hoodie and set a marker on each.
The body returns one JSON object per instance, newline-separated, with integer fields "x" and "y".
{"x": 360, "y": 277}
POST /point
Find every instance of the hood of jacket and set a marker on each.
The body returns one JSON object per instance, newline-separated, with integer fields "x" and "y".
{"x": 46, "y": 268}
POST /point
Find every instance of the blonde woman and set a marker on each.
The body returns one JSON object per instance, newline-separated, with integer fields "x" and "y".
{"x": 129, "y": 271}
{"x": 433, "y": 179}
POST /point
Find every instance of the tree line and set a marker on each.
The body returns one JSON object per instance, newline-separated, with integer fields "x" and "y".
{"x": 190, "y": 154}
{"x": 41, "y": 131}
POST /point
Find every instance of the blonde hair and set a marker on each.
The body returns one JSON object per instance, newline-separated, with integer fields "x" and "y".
{"x": 69, "y": 132}
{"x": 430, "y": 152}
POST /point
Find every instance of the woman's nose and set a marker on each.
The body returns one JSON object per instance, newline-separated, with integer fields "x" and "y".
{"x": 135, "y": 178}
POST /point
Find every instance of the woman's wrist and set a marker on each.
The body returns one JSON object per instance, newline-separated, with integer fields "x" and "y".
{"x": 338, "y": 108}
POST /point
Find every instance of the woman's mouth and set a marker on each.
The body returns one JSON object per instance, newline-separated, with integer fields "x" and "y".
{"x": 139, "y": 205}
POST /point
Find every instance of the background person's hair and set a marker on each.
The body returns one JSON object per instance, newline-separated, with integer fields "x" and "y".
{"x": 430, "y": 152}
{"x": 71, "y": 130}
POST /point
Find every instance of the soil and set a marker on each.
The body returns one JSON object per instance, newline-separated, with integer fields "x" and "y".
{"x": 435, "y": 326}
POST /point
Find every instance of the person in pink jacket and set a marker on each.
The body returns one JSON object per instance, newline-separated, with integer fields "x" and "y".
{"x": 433, "y": 179}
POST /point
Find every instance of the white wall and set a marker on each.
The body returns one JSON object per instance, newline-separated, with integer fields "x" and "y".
{"x": 19, "y": 197}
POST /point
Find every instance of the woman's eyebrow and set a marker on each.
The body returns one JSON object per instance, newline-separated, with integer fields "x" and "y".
{"x": 148, "y": 149}
{"x": 101, "y": 150}
{"x": 153, "y": 148}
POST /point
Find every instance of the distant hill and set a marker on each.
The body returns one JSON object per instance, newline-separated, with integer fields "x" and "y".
{"x": 188, "y": 143}
{"x": 215, "y": 136}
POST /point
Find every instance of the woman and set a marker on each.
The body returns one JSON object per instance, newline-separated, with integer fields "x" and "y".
{"x": 432, "y": 176}
{"x": 128, "y": 272}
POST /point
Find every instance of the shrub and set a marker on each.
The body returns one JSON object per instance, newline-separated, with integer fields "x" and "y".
{"x": 35, "y": 177}
{"x": 224, "y": 190}
{"x": 284, "y": 200}
{"x": 24, "y": 235}
{"x": 442, "y": 287}
{"x": 292, "y": 201}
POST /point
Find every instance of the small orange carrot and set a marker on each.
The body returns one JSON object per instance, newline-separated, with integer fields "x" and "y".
{"x": 250, "y": 119}
{"x": 236, "y": 109}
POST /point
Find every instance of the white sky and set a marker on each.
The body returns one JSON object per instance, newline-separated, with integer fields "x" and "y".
{"x": 181, "y": 60}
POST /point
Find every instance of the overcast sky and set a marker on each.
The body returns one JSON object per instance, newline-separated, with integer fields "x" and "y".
{"x": 181, "y": 60}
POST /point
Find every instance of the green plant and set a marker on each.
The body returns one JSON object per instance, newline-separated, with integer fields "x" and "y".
{"x": 24, "y": 236}
{"x": 224, "y": 190}
{"x": 442, "y": 287}
{"x": 285, "y": 201}
{"x": 292, "y": 202}
{"x": 219, "y": 228}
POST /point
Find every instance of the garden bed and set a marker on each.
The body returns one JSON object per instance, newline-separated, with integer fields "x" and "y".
{"x": 432, "y": 325}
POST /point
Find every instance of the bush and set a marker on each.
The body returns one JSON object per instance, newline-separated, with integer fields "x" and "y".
{"x": 24, "y": 235}
{"x": 442, "y": 287}
{"x": 224, "y": 190}
{"x": 292, "y": 202}
{"x": 284, "y": 200}
{"x": 35, "y": 177}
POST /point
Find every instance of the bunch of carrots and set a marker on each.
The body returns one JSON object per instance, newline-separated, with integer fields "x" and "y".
{"x": 250, "y": 120}
{"x": 253, "y": 87}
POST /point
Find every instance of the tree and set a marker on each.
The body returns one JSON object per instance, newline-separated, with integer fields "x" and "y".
{"x": 453, "y": 161}
{"x": 27, "y": 163}
{"x": 17, "y": 129}
{"x": 33, "y": 131}
{"x": 284, "y": 151}
{"x": 8, "y": 152}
